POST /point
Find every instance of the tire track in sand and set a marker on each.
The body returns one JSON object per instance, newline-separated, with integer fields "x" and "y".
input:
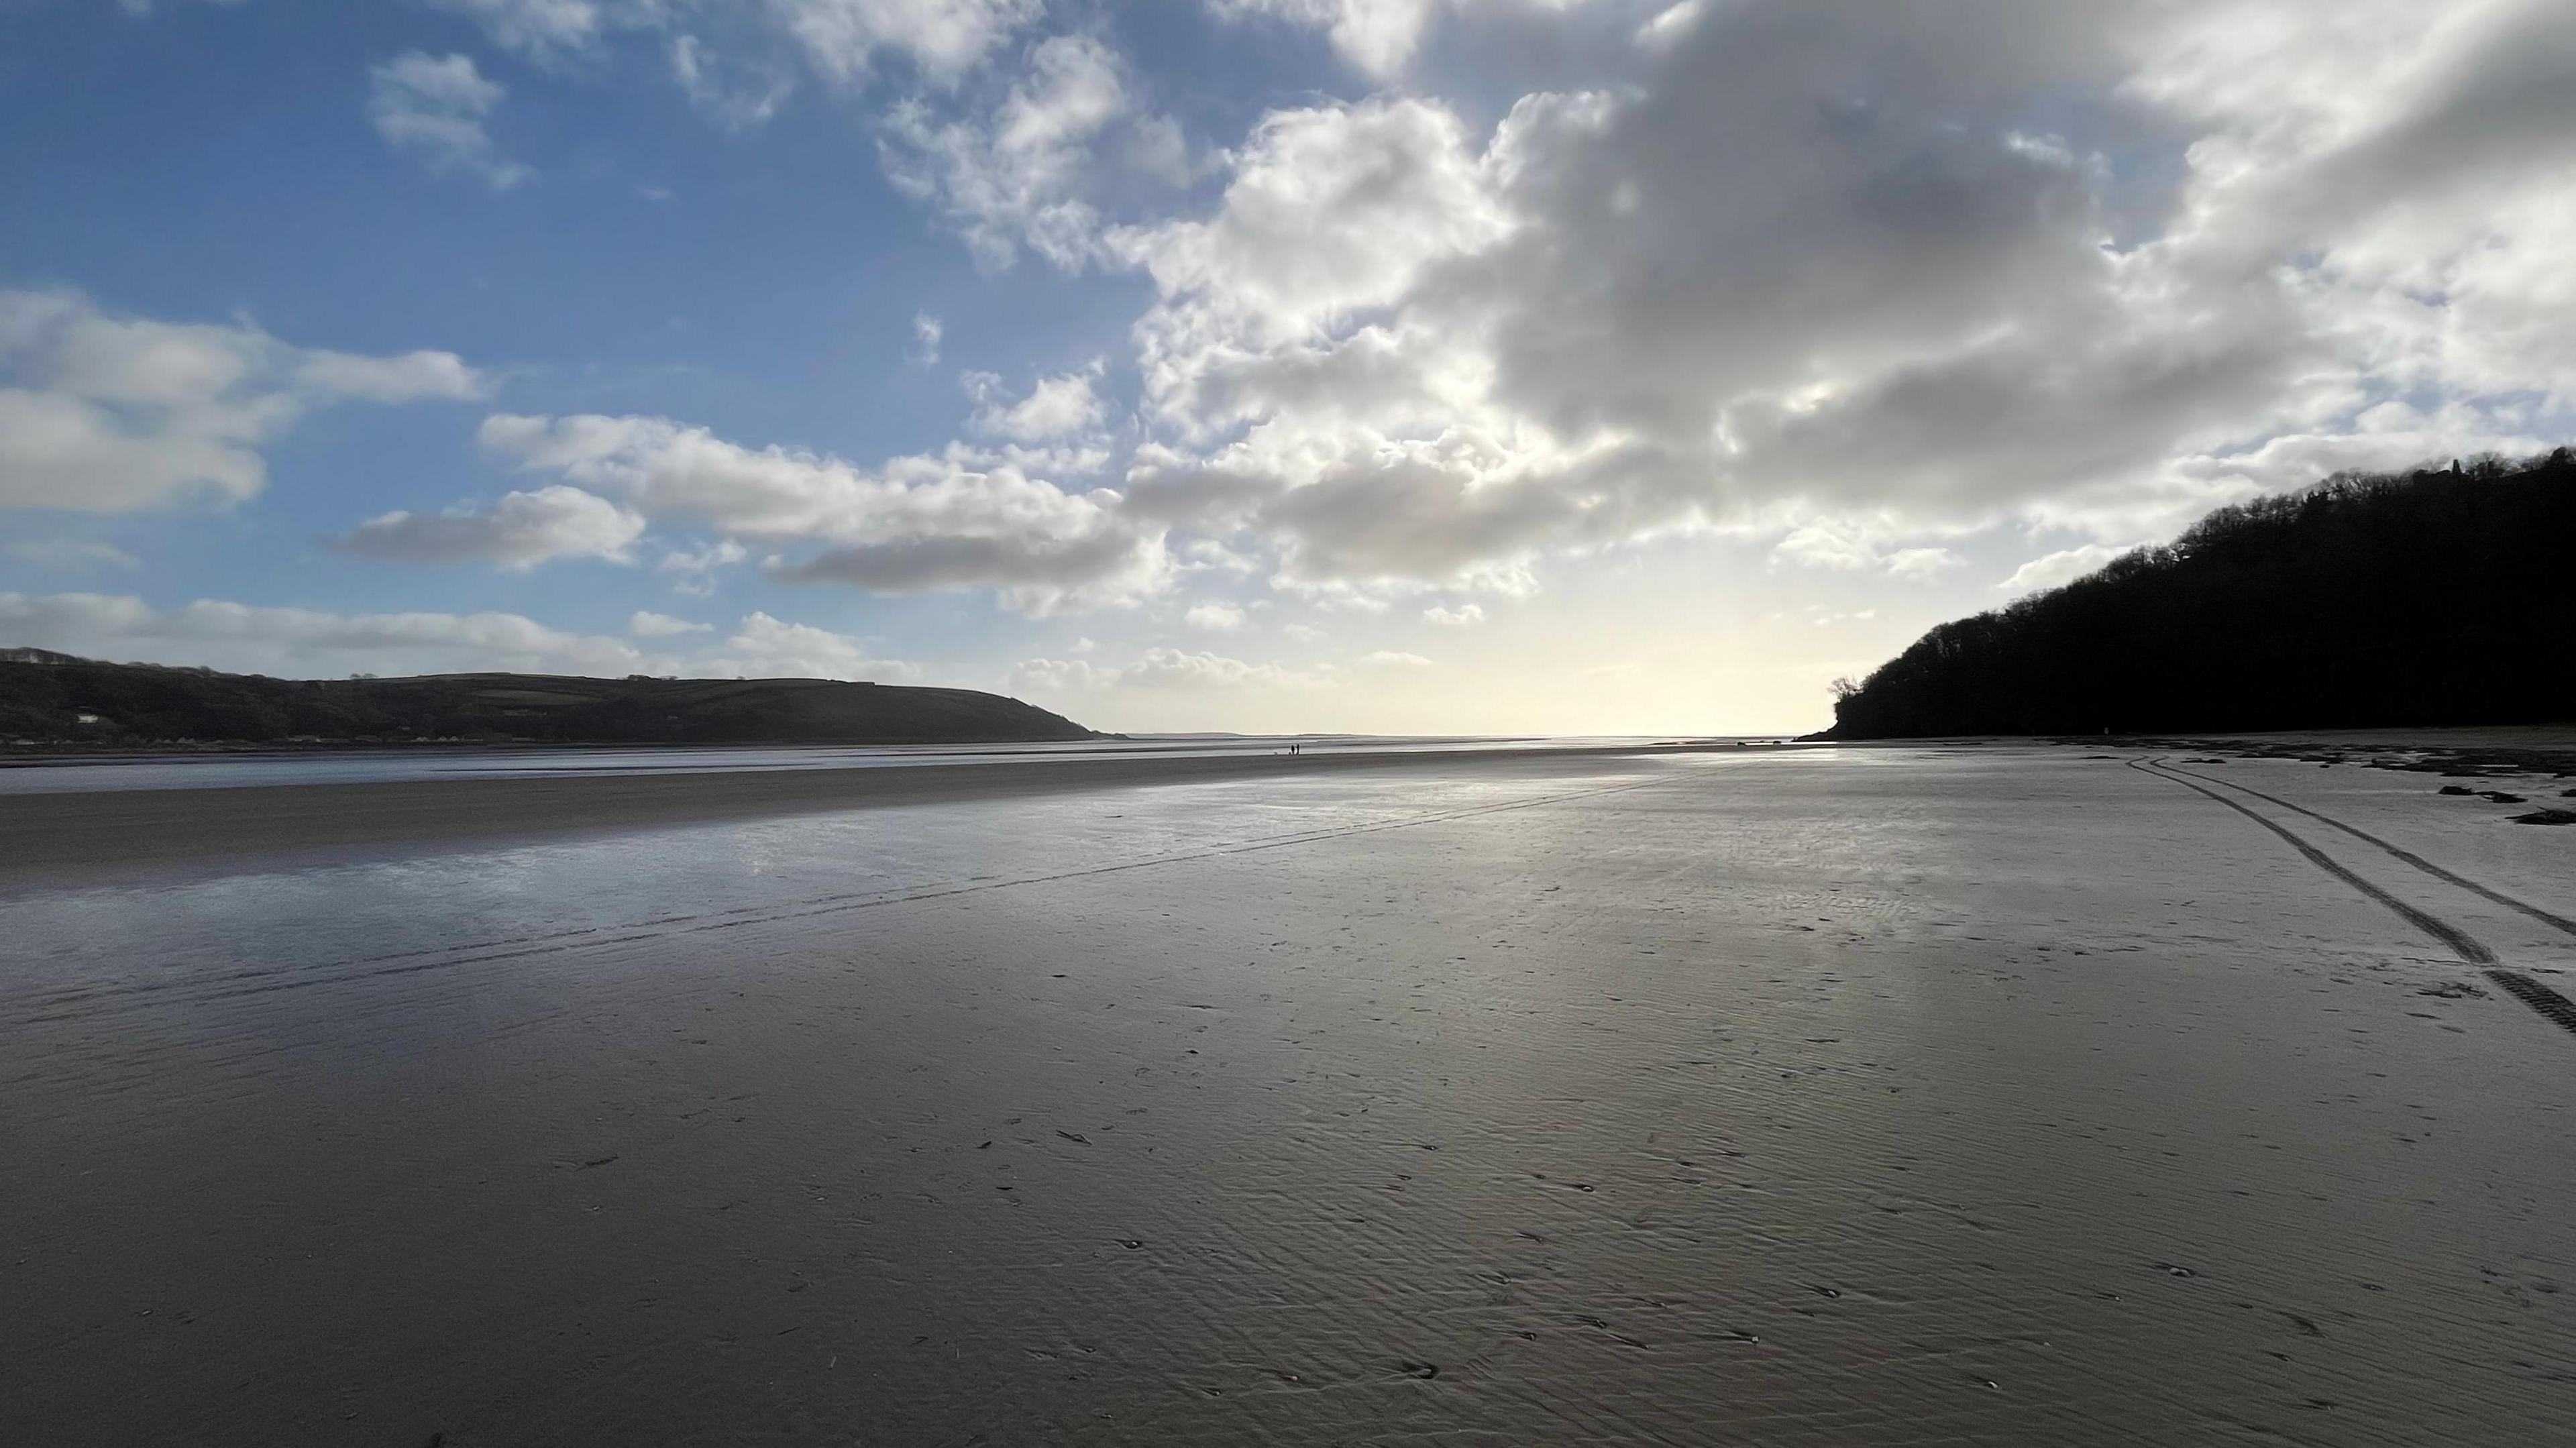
{"x": 2549, "y": 1003}
{"x": 2559, "y": 922}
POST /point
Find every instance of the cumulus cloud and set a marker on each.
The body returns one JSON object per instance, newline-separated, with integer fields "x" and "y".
{"x": 1464, "y": 616}
{"x": 646, "y": 624}
{"x": 1363, "y": 448}
{"x": 696, "y": 568}
{"x": 1330, "y": 212}
{"x": 1394, "y": 659}
{"x": 913, "y": 525}
{"x": 764, "y": 647}
{"x": 927, "y": 331}
{"x": 306, "y": 642}
{"x": 1214, "y": 618}
{"x": 1028, "y": 173}
{"x": 1377, "y": 36}
{"x": 434, "y": 106}
{"x": 1060, "y": 677}
{"x": 1862, "y": 280}
{"x": 942, "y": 38}
{"x": 723, "y": 553}
{"x": 1865, "y": 268}
{"x": 2064, "y": 566}
{"x": 1165, "y": 668}
{"x": 1669, "y": 25}
{"x": 107, "y": 414}
{"x": 1849, "y": 544}
{"x": 242, "y": 637}
{"x": 1160, "y": 669}
{"x": 1056, "y": 409}
{"x": 519, "y": 532}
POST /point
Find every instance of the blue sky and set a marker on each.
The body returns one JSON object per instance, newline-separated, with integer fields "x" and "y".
{"x": 1545, "y": 365}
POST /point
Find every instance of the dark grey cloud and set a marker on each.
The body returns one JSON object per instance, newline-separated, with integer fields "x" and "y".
{"x": 1928, "y": 267}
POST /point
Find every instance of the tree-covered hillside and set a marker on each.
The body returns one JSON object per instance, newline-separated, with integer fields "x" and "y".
{"x": 76, "y": 700}
{"x": 2426, "y": 598}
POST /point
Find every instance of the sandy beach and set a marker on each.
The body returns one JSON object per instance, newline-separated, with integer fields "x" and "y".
{"x": 1823, "y": 1096}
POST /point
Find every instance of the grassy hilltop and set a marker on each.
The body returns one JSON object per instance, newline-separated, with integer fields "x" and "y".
{"x": 2429, "y": 598}
{"x": 53, "y": 698}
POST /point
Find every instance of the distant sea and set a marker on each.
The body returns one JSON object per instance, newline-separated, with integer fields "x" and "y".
{"x": 49, "y": 774}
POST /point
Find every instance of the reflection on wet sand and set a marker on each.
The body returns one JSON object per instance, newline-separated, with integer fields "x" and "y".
{"x": 1896, "y": 1096}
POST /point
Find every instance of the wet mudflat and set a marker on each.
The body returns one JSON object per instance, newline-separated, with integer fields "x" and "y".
{"x": 1829, "y": 1097}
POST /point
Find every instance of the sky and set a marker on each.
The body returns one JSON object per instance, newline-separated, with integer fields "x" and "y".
{"x": 1484, "y": 366}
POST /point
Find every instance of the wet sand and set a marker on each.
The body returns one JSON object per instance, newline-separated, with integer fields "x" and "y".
{"x": 1859, "y": 1096}
{"x": 116, "y": 836}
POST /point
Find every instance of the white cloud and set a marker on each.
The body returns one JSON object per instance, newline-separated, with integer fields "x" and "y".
{"x": 764, "y": 647}
{"x": 2064, "y": 566}
{"x": 1214, "y": 618}
{"x": 1669, "y": 25}
{"x": 244, "y": 638}
{"x": 1849, "y": 544}
{"x": 645, "y": 624}
{"x": 405, "y": 378}
{"x": 1922, "y": 563}
{"x": 435, "y": 107}
{"x": 106, "y": 414}
{"x": 293, "y": 642}
{"x": 519, "y": 532}
{"x": 1162, "y": 670}
{"x": 1395, "y": 659}
{"x": 2083, "y": 269}
{"x": 735, "y": 95}
{"x": 1057, "y": 408}
{"x": 1202, "y": 555}
{"x": 1377, "y": 36}
{"x": 1165, "y": 668}
{"x": 697, "y": 567}
{"x": 1463, "y": 616}
{"x": 1862, "y": 279}
{"x": 550, "y": 29}
{"x": 65, "y": 555}
{"x": 1060, "y": 677}
{"x": 1367, "y": 454}
{"x": 721, "y": 554}
{"x": 943, "y": 38}
{"x": 1330, "y": 212}
{"x": 1027, "y": 174}
{"x": 927, "y": 331}
{"x": 913, "y": 525}
{"x": 1822, "y": 617}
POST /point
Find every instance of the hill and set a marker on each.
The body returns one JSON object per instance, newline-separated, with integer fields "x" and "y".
{"x": 54, "y": 698}
{"x": 2428, "y": 598}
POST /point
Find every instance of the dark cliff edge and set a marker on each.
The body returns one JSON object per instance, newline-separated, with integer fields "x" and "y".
{"x": 50, "y": 700}
{"x": 2367, "y": 601}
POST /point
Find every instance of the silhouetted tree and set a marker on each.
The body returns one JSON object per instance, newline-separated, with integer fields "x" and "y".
{"x": 2433, "y": 597}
